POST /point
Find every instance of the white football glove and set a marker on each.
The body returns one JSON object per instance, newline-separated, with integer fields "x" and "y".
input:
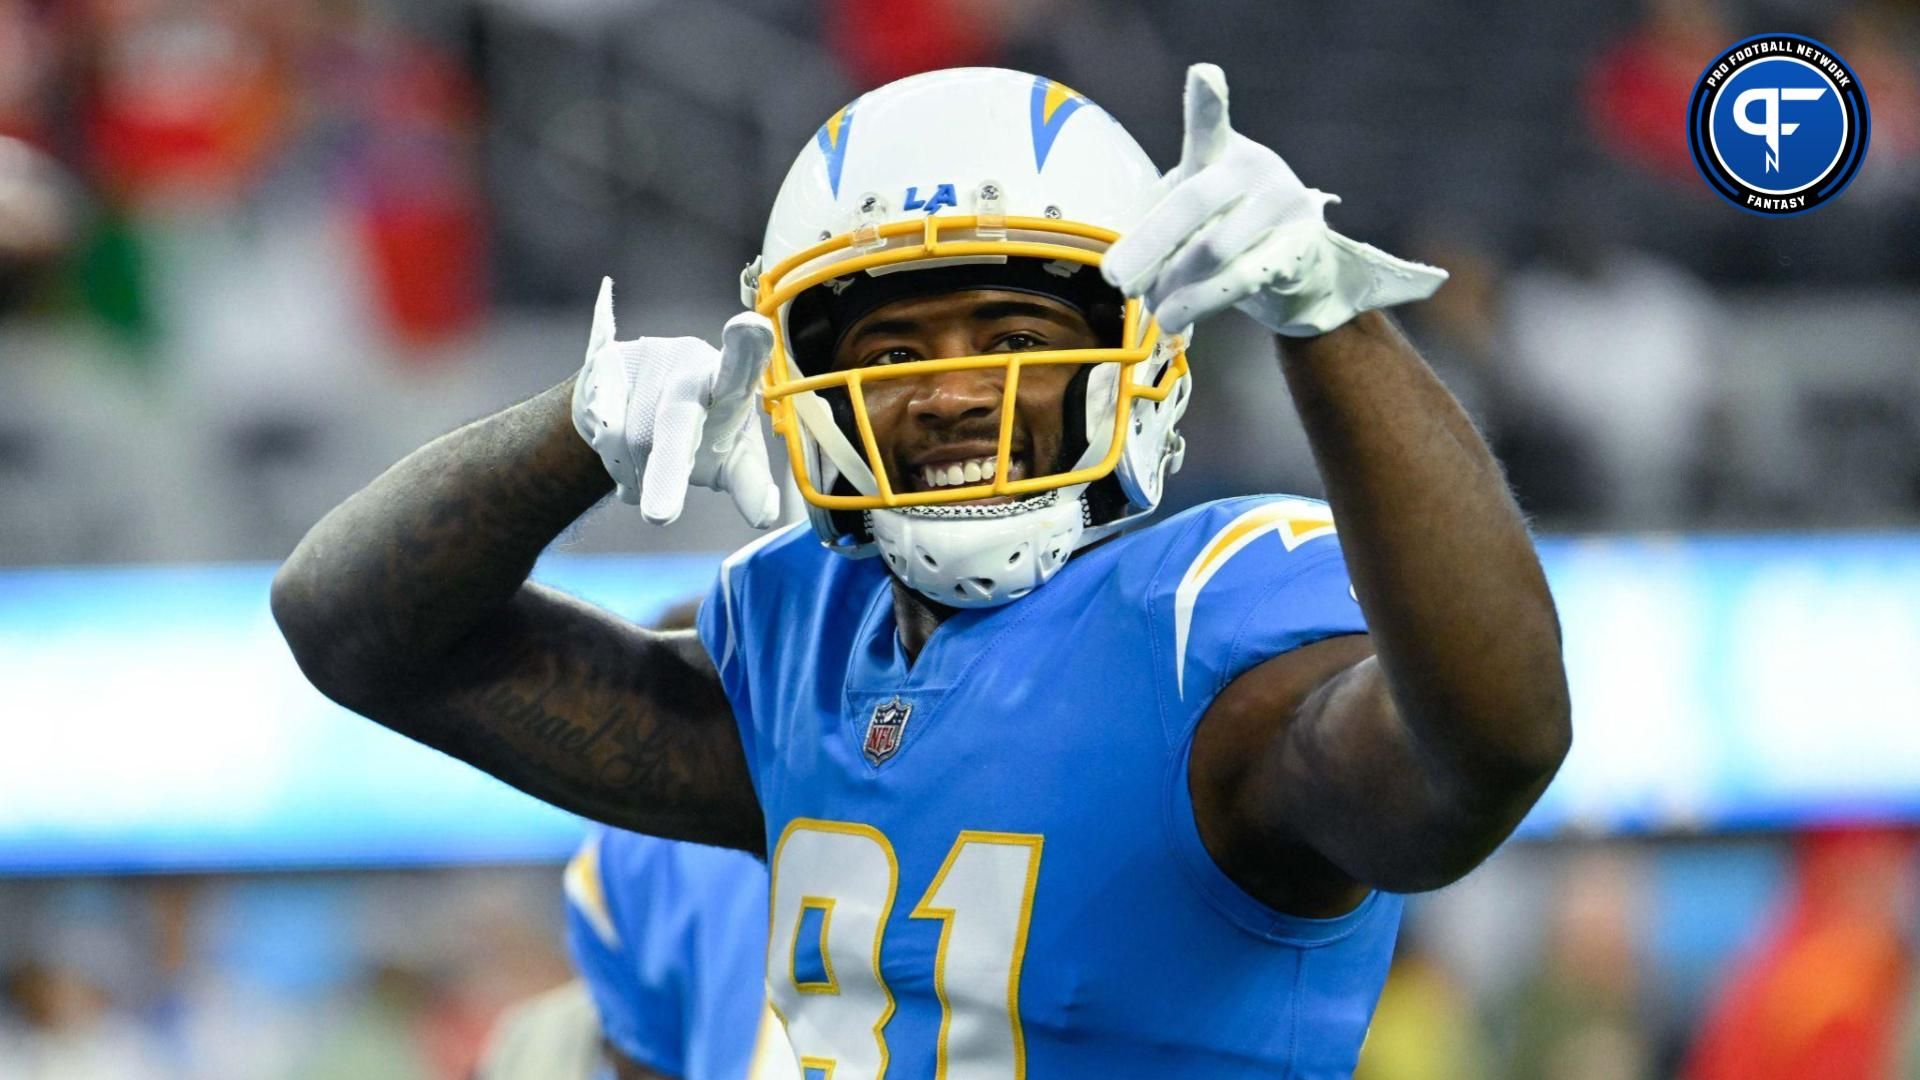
{"x": 664, "y": 413}
{"x": 1234, "y": 227}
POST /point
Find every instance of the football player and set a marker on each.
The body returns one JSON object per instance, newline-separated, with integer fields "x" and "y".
{"x": 1042, "y": 792}
{"x": 670, "y": 939}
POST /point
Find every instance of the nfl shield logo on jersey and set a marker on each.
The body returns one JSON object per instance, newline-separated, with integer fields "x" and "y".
{"x": 885, "y": 728}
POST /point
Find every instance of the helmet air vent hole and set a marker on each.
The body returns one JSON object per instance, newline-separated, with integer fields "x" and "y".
{"x": 1014, "y": 559}
{"x": 930, "y": 561}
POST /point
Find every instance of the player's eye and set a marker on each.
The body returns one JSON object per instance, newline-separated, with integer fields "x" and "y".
{"x": 1019, "y": 341}
{"x": 898, "y": 354}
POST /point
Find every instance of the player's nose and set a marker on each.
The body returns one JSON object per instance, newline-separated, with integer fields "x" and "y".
{"x": 951, "y": 396}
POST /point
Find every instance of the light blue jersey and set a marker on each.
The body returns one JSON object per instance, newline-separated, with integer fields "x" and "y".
{"x": 671, "y": 938}
{"x": 985, "y": 864}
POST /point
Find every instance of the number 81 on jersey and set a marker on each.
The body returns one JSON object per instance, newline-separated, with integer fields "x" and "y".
{"x": 834, "y": 885}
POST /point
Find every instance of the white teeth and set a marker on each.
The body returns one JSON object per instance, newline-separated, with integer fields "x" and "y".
{"x": 953, "y": 474}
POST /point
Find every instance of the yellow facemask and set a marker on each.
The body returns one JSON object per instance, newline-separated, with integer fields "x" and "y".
{"x": 795, "y": 402}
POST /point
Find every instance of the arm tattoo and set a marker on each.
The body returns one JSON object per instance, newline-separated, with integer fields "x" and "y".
{"x": 409, "y": 603}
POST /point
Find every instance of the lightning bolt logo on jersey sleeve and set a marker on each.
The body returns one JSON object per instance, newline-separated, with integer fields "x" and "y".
{"x": 1249, "y": 579}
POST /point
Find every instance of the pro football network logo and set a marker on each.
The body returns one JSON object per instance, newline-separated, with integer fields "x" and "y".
{"x": 1778, "y": 124}
{"x": 885, "y": 728}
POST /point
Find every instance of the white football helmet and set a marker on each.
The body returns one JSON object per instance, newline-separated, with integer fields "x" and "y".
{"x": 990, "y": 176}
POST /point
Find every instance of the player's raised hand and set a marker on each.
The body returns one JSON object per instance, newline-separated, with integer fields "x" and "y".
{"x": 666, "y": 413}
{"x": 1234, "y": 227}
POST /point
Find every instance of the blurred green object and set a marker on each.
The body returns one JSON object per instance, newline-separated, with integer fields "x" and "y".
{"x": 109, "y": 265}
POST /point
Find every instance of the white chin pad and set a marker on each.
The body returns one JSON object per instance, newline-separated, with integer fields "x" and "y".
{"x": 983, "y": 556}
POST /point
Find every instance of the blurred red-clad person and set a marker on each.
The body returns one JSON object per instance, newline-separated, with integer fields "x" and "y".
{"x": 26, "y": 68}
{"x": 196, "y": 103}
{"x": 1636, "y": 91}
{"x": 411, "y": 117}
{"x": 1820, "y": 994}
{"x": 181, "y": 101}
{"x": 878, "y": 41}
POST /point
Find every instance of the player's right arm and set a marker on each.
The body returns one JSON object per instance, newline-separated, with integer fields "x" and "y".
{"x": 409, "y": 603}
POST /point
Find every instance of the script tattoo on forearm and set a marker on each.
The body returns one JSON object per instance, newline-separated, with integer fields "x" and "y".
{"x": 615, "y": 723}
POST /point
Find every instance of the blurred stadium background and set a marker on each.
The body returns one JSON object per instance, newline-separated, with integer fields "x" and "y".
{"x": 251, "y": 251}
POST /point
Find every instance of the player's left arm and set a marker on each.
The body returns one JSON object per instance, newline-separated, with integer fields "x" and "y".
{"x": 1401, "y": 758}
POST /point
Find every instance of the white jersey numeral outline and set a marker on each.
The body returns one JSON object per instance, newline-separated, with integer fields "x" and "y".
{"x": 983, "y": 897}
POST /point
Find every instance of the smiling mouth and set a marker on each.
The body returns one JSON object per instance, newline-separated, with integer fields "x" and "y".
{"x": 966, "y": 472}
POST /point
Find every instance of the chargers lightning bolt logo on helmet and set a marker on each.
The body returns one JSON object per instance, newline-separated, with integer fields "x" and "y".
{"x": 1778, "y": 124}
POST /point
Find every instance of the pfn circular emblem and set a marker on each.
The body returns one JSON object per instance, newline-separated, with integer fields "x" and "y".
{"x": 1778, "y": 124}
